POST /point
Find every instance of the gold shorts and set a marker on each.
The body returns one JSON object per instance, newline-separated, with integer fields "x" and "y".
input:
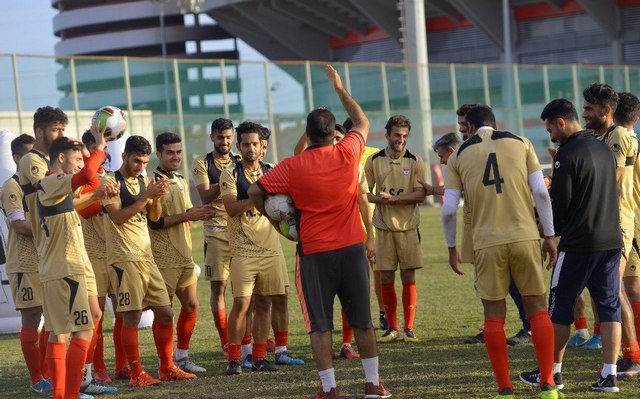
{"x": 103, "y": 285}
{"x": 466, "y": 248}
{"x": 66, "y": 305}
{"x": 137, "y": 285}
{"x": 633, "y": 264}
{"x": 495, "y": 266}
{"x": 262, "y": 275}
{"x": 216, "y": 256}
{"x": 90, "y": 280}
{"x": 285, "y": 271}
{"x": 627, "y": 241}
{"x": 397, "y": 248}
{"x": 178, "y": 277}
{"x": 26, "y": 290}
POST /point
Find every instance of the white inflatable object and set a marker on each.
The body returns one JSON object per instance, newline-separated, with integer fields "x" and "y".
{"x": 7, "y": 166}
{"x": 115, "y": 149}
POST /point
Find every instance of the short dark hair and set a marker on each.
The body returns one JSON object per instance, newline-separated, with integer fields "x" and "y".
{"x": 628, "y": 108}
{"x": 601, "y": 94}
{"x": 347, "y": 125}
{"x": 45, "y": 116}
{"x": 265, "y": 133}
{"x": 17, "y": 144}
{"x": 340, "y": 129}
{"x": 560, "y": 108}
{"x": 449, "y": 140}
{"x": 63, "y": 144}
{"x": 221, "y": 124}
{"x": 482, "y": 115}
{"x": 137, "y": 145}
{"x": 320, "y": 124}
{"x": 166, "y": 138}
{"x": 464, "y": 108}
{"x": 87, "y": 138}
{"x": 397, "y": 121}
{"x": 249, "y": 127}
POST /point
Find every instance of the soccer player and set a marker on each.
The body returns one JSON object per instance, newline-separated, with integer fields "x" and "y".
{"x": 256, "y": 255}
{"x": 64, "y": 266}
{"x": 331, "y": 258}
{"x": 600, "y": 102}
{"x": 206, "y": 175}
{"x": 171, "y": 243}
{"x": 22, "y": 272}
{"x": 133, "y": 273}
{"x": 394, "y": 172}
{"x": 498, "y": 171}
{"x": 626, "y": 115}
{"x": 585, "y": 203}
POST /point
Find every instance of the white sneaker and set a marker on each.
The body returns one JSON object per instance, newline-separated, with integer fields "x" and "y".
{"x": 190, "y": 367}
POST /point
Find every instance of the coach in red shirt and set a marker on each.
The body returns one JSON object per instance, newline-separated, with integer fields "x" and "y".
{"x": 323, "y": 183}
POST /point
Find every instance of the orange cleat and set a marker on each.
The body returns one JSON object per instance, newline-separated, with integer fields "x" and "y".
{"x": 347, "y": 352}
{"x": 122, "y": 374}
{"x": 102, "y": 378}
{"x": 175, "y": 374}
{"x": 143, "y": 380}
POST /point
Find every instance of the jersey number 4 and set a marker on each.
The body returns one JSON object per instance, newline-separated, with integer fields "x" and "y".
{"x": 492, "y": 168}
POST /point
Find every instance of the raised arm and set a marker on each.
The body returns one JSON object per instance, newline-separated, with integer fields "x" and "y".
{"x": 359, "y": 119}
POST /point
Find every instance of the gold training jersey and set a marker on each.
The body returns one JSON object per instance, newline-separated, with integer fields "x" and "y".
{"x": 207, "y": 169}
{"x": 130, "y": 241}
{"x": 171, "y": 246}
{"x": 33, "y": 167}
{"x": 94, "y": 239}
{"x": 63, "y": 252}
{"x": 250, "y": 233}
{"x": 493, "y": 168}
{"x": 625, "y": 152}
{"x": 394, "y": 176}
{"x": 21, "y": 251}
{"x": 636, "y": 185}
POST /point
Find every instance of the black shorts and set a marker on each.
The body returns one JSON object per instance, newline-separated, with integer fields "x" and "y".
{"x": 598, "y": 271}
{"x": 322, "y": 276}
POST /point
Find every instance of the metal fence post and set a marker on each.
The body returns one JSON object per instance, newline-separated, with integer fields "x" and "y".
{"x": 16, "y": 85}
{"x": 74, "y": 92}
{"x": 545, "y": 83}
{"x": 127, "y": 86}
{"x": 485, "y": 84}
{"x": 176, "y": 82}
{"x": 385, "y": 90}
{"x": 576, "y": 89}
{"x": 274, "y": 139}
{"x": 307, "y": 70}
{"x": 223, "y": 83}
{"x": 454, "y": 92}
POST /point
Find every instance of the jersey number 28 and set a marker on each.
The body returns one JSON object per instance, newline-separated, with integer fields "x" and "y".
{"x": 492, "y": 165}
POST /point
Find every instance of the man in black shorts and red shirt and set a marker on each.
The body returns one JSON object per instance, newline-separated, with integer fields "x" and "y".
{"x": 323, "y": 183}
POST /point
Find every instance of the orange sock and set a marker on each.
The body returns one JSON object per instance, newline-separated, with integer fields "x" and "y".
{"x": 259, "y": 351}
{"x": 246, "y": 340}
{"x": 76, "y": 356}
{"x": 92, "y": 345}
{"x": 56, "y": 354}
{"x": 390, "y": 301}
{"x": 131, "y": 349}
{"x": 631, "y": 350}
{"x": 98, "y": 354}
{"x": 233, "y": 352}
{"x": 409, "y": 303}
{"x": 580, "y": 323}
{"x": 220, "y": 320}
{"x": 42, "y": 343}
{"x": 31, "y": 352}
{"x": 347, "y": 331}
{"x": 636, "y": 315}
{"x": 496, "y": 342}
{"x": 163, "y": 336}
{"x": 596, "y": 328}
{"x": 185, "y": 326}
{"x": 120, "y": 354}
{"x": 281, "y": 337}
{"x": 543, "y": 339}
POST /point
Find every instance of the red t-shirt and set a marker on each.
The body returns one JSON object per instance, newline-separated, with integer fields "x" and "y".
{"x": 323, "y": 183}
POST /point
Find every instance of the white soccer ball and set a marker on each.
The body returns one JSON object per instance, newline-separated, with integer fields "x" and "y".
{"x": 288, "y": 229}
{"x": 280, "y": 207}
{"x": 112, "y": 119}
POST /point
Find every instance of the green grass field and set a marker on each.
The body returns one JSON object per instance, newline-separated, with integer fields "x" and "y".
{"x": 440, "y": 366}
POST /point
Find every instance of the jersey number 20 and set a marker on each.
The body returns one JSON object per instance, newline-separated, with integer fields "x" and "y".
{"x": 492, "y": 164}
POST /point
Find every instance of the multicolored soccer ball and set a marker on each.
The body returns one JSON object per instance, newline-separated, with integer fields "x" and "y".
{"x": 111, "y": 118}
{"x": 288, "y": 229}
{"x": 280, "y": 207}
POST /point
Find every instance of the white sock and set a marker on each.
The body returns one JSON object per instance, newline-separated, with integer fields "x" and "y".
{"x": 281, "y": 349}
{"x": 86, "y": 380}
{"x": 246, "y": 350}
{"x": 608, "y": 369}
{"x": 328, "y": 378}
{"x": 370, "y": 367}
{"x": 583, "y": 332}
{"x": 181, "y": 354}
{"x": 557, "y": 368}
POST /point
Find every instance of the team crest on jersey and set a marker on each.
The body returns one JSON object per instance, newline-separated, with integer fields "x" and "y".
{"x": 224, "y": 185}
{"x": 195, "y": 171}
{"x": 406, "y": 171}
{"x": 557, "y": 164}
{"x": 13, "y": 198}
{"x": 615, "y": 147}
{"x": 35, "y": 169}
{"x": 60, "y": 176}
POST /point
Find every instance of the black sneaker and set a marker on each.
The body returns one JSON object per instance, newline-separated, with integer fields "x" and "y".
{"x": 608, "y": 384}
{"x": 522, "y": 337}
{"x": 263, "y": 365}
{"x": 627, "y": 369}
{"x": 234, "y": 368}
{"x": 533, "y": 378}
{"x": 384, "y": 325}
{"x": 476, "y": 339}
